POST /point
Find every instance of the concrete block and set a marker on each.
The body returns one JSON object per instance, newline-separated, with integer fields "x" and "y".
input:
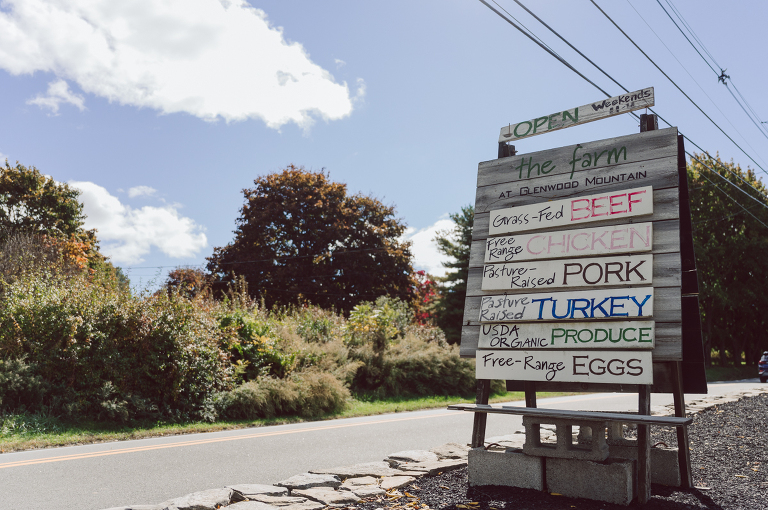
{"x": 610, "y": 481}
{"x": 565, "y": 448}
{"x": 665, "y": 469}
{"x": 511, "y": 469}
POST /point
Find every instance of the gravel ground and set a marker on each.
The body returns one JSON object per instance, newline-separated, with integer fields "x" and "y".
{"x": 729, "y": 458}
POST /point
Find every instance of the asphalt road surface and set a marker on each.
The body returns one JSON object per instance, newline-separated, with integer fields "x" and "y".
{"x": 148, "y": 471}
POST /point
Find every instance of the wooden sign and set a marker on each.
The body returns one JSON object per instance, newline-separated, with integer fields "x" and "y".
{"x": 602, "y": 109}
{"x": 617, "y": 367}
{"x": 612, "y": 205}
{"x": 589, "y": 304}
{"x": 600, "y": 271}
{"x": 583, "y": 242}
{"x": 568, "y": 335}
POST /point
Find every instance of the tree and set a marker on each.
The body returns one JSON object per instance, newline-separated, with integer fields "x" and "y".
{"x": 301, "y": 238}
{"x": 730, "y": 241}
{"x": 32, "y": 204}
{"x": 188, "y": 282}
{"x": 455, "y": 243}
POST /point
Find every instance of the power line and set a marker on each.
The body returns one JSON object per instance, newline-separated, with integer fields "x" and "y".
{"x": 620, "y": 86}
{"x": 545, "y": 48}
{"x": 727, "y": 180}
{"x": 734, "y": 200}
{"x": 691, "y": 77}
{"x": 759, "y": 127}
{"x": 675, "y": 84}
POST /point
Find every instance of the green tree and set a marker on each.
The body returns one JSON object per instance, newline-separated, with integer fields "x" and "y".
{"x": 36, "y": 209}
{"x": 730, "y": 244}
{"x": 301, "y": 238}
{"x": 455, "y": 243}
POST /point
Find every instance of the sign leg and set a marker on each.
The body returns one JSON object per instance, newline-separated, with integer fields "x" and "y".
{"x": 530, "y": 393}
{"x": 478, "y": 428}
{"x": 644, "y": 448}
{"x": 683, "y": 449}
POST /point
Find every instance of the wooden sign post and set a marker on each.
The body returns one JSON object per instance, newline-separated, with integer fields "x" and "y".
{"x": 581, "y": 267}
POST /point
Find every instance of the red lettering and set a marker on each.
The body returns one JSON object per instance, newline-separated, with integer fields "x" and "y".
{"x": 613, "y": 204}
{"x": 575, "y": 209}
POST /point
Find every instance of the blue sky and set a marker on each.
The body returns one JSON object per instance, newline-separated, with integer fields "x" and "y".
{"x": 163, "y": 111}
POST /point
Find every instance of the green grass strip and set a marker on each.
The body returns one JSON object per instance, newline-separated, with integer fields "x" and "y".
{"x": 26, "y": 432}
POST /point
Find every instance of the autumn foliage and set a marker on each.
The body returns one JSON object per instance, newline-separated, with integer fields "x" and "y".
{"x": 301, "y": 238}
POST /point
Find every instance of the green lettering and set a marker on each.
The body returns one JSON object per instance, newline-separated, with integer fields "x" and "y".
{"x": 613, "y": 152}
{"x": 537, "y": 124}
{"x": 574, "y": 117}
{"x": 645, "y": 335}
{"x": 570, "y": 333}
{"x": 544, "y": 167}
{"x": 557, "y": 333}
{"x": 530, "y": 126}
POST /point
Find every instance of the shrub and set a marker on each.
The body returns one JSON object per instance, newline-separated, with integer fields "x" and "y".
{"x": 412, "y": 366}
{"x": 309, "y": 394}
{"x": 253, "y": 347}
{"x": 20, "y": 387}
{"x": 378, "y": 323}
{"x": 109, "y": 355}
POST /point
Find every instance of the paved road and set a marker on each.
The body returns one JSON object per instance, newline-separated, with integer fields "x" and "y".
{"x": 152, "y": 470}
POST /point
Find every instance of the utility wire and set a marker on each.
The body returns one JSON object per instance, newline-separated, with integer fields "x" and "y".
{"x": 727, "y": 180}
{"x": 759, "y": 127}
{"x": 675, "y": 84}
{"x": 544, "y": 47}
{"x": 518, "y": 2}
{"x": 692, "y": 78}
{"x": 734, "y": 200}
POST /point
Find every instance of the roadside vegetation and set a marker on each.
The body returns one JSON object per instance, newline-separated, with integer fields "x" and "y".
{"x": 312, "y": 312}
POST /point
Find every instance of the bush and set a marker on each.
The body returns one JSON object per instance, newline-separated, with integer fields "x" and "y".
{"x": 106, "y": 354}
{"x": 20, "y": 387}
{"x": 309, "y": 394}
{"x": 412, "y": 367}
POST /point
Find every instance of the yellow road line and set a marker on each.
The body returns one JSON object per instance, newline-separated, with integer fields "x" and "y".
{"x": 62, "y": 458}
{"x": 121, "y": 451}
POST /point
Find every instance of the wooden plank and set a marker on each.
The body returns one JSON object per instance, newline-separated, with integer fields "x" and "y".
{"x": 591, "y": 112}
{"x": 574, "y": 305}
{"x": 479, "y": 424}
{"x": 665, "y": 239}
{"x": 593, "y": 272}
{"x": 666, "y": 273}
{"x": 616, "y": 367}
{"x": 667, "y": 306}
{"x": 566, "y": 414}
{"x": 656, "y": 173}
{"x": 666, "y": 206}
{"x": 644, "y": 447}
{"x": 606, "y": 240}
{"x": 667, "y": 339}
{"x": 572, "y": 211}
{"x": 568, "y": 335}
{"x": 563, "y": 160}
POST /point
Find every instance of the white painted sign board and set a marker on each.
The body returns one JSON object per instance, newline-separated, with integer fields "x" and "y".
{"x": 570, "y": 273}
{"x": 548, "y": 306}
{"x": 568, "y": 335}
{"x": 612, "y": 205}
{"x": 607, "y": 240}
{"x": 601, "y": 109}
{"x": 617, "y": 367}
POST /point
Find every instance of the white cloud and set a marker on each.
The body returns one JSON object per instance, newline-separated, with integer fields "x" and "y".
{"x": 214, "y": 59}
{"x": 58, "y": 92}
{"x": 127, "y": 234}
{"x": 424, "y": 249}
{"x": 138, "y": 191}
{"x": 339, "y": 63}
